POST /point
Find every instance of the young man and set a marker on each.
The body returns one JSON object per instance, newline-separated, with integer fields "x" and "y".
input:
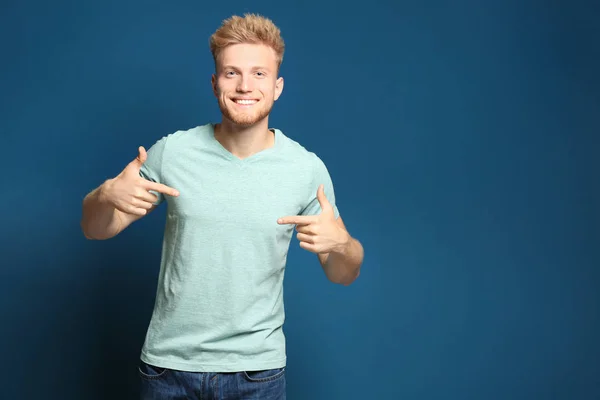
{"x": 235, "y": 191}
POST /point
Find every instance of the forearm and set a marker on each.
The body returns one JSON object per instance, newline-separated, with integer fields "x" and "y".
{"x": 343, "y": 265}
{"x": 100, "y": 220}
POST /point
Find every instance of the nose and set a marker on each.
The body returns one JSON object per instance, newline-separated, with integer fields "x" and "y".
{"x": 244, "y": 84}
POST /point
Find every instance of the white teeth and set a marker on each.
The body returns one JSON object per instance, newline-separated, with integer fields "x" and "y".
{"x": 245, "y": 102}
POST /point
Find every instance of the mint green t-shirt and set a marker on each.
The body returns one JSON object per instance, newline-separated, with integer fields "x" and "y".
{"x": 219, "y": 299}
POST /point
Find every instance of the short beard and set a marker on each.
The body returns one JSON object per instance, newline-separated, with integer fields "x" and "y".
{"x": 245, "y": 120}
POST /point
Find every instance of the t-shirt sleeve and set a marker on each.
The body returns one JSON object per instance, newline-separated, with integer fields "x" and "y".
{"x": 320, "y": 176}
{"x": 152, "y": 168}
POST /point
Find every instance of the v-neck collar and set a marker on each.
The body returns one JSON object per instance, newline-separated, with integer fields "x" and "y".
{"x": 230, "y": 156}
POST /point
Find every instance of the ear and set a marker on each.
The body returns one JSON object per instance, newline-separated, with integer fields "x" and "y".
{"x": 278, "y": 87}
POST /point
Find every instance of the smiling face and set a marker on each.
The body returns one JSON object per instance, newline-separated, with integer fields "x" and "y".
{"x": 246, "y": 83}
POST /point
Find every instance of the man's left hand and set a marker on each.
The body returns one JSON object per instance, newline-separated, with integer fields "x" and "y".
{"x": 319, "y": 233}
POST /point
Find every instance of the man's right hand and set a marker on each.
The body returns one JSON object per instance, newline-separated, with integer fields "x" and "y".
{"x": 129, "y": 192}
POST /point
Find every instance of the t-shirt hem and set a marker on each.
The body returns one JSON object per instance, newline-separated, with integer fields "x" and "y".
{"x": 194, "y": 366}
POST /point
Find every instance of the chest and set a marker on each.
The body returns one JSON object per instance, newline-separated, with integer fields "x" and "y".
{"x": 254, "y": 196}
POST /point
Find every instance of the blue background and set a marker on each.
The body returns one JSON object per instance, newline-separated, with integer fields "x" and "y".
{"x": 462, "y": 138}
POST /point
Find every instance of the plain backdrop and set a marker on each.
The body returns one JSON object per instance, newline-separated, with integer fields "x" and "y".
{"x": 462, "y": 140}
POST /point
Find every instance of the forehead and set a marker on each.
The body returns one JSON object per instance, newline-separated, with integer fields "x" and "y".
{"x": 247, "y": 56}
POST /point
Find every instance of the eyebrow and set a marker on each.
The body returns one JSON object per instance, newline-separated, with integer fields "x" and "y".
{"x": 252, "y": 69}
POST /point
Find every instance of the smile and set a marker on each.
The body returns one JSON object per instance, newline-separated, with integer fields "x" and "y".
{"x": 245, "y": 102}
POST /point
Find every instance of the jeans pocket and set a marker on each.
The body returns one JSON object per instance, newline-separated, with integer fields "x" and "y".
{"x": 266, "y": 375}
{"x": 148, "y": 371}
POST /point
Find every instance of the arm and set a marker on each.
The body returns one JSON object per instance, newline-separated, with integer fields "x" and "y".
{"x": 342, "y": 264}
{"x": 340, "y": 254}
{"x": 120, "y": 201}
{"x": 100, "y": 219}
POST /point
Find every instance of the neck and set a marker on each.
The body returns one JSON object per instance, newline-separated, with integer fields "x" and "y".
{"x": 244, "y": 141}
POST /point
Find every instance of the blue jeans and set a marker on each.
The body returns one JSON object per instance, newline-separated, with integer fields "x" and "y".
{"x": 168, "y": 384}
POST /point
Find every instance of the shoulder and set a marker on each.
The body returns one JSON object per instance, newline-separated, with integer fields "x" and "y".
{"x": 186, "y": 136}
{"x": 180, "y": 139}
{"x": 299, "y": 154}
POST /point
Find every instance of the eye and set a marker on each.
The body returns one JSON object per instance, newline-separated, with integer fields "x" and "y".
{"x": 229, "y": 73}
{"x": 260, "y": 74}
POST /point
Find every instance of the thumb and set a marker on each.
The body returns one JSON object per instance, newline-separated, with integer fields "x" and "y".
{"x": 325, "y": 204}
{"x": 141, "y": 158}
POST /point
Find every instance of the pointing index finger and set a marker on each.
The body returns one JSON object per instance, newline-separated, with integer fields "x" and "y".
{"x": 296, "y": 220}
{"x": 159, "y": 187}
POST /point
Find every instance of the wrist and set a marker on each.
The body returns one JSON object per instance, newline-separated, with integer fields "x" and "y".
{"x": 104, "y": 191}
{"x": 344, "y": 243}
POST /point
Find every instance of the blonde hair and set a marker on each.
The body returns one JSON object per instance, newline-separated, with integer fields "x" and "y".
{"x": 251, "y": 28}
